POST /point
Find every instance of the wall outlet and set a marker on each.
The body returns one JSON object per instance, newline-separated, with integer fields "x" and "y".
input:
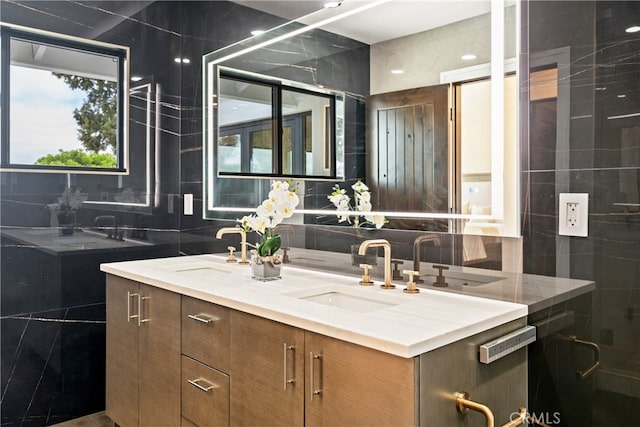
{"x": 573, "y": 214}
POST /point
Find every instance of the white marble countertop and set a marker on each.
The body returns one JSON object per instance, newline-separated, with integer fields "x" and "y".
{"x": 535, "y": 291}
{"x": 401, "y": 324}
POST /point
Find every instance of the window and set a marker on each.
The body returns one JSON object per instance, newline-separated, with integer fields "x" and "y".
{"x": 64, "y": 103}
{"x": 269, "y": 127}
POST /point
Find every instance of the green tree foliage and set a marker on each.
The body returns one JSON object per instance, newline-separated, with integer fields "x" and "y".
{"x": 78, "y": 158}
{"x": 97, "y": 118}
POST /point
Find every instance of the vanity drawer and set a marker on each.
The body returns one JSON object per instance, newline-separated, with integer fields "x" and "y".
{"x": 205, "y": 332}
{"x": 205, "y": 394}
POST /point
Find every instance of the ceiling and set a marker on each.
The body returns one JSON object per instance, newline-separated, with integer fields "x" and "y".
{"x": 383, "y": 20}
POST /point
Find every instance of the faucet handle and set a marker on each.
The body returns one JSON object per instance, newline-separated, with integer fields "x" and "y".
{"x": 411, "y": 285}
{"x": 366, "y": 277}
{"x": 285, "y": 256}
{"x": 440, "y": 280}
{"x": 232, "y": 257}
{"x": 396, "y": 271}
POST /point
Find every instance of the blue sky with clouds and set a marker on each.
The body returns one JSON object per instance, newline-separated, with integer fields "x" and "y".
{"x": 41, "y": 115}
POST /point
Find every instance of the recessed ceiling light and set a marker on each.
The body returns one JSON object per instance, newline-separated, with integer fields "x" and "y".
{"x": 601, "y": 88}
{"x": 178, "y": 60}
{"x": 136, "y": 78}
{"x": 397, "y": 71}
{"x": 257, "y": 32}
{"x": 633, "y": 29}
{"x": 332, "y": 4}
{"x": 468, "y": 56}
{"x": 622, "y": 95}
{"x": 186, "y": 61}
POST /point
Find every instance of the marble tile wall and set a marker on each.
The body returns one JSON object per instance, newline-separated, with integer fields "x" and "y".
{"x": 600, "y": 156}
{"x": 52, "y": 313}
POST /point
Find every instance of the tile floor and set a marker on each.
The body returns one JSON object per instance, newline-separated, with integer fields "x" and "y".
{"x": 94, "y": 420}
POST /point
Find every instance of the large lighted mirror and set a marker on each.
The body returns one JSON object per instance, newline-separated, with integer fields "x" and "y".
{"x": 433, "y": 134}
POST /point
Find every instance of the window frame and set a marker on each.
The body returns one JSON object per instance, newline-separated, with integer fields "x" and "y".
{"x": 9, "y": 32}
{"x": 278, "y": 120}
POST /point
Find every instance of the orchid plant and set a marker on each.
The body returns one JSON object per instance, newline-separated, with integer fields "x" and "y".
{"x": 361, "y": 206}
{"x": 272, "y": 211}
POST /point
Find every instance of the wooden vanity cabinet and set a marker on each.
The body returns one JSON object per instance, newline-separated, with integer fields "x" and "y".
{"x": 282, "y": 375}
{"x": 267, "y": 372}
{"x": 174, "y": 360}
{"x": 205, "y": 363}
{"x": 351, "y": 385}
{"x": 143, "y": 354}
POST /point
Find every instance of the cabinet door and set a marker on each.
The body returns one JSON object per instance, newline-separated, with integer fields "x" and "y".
{"x": 122, "y": 351}
{"x": 267, "y": 368}
{"x": 159, "y": 357}
{"x": 347, "y": 384}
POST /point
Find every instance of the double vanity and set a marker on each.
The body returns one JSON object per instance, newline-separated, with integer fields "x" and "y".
{"x": 196, "y": 341}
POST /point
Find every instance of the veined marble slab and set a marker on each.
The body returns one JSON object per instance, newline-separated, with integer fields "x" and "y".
{"x": 407, "y": 326}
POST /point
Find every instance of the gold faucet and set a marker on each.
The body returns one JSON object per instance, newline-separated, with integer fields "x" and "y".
{"x": 376, "y": 243}
{"x": 243, "y": 244}
{"x": 416, "y": 250}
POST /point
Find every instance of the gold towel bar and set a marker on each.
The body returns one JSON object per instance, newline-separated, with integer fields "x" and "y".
{"x": 593, "y": 346}
{"x": 463, "y": 404}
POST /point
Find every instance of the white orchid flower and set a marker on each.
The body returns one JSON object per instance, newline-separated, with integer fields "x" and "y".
{"x": 377, "y": 220}
{"x": 277, "y": 194}
{"x": 339, "y": 200}
{"x": 364, "y": 206}
{"x": 292, "y": 199}
{"x": 280, "y": 185}
{"x": 274, "y": 220}
{"x": 365, "y": 195}
{"x": 343, "y": 218}
{"x": 359, "y": 187}
{"x": 266, "y": 208}
{"x": 284, "y": 209}
{"x": 258, "y": 223}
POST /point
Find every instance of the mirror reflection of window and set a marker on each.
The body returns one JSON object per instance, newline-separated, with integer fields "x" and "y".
{"x": 245, "y": 141}
{"x": 275, "y": 128}
{"x": 75, "y": 89}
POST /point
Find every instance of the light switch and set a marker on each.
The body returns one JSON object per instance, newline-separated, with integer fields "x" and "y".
{"x": 188, "y": 204}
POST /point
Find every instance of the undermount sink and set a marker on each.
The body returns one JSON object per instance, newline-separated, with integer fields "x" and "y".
{"x": 202, "y": 267}
{"x": 345, "y": 299}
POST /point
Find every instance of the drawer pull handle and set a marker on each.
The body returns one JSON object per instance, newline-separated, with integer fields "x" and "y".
{"x": 129, "y": 315}
{"x": 312, "y": 386}
{"x": 196, "y": 383}
{"x": 287, "y": 380}
{"x": 204, "y": 318}
{"x": 141, "y": 318}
